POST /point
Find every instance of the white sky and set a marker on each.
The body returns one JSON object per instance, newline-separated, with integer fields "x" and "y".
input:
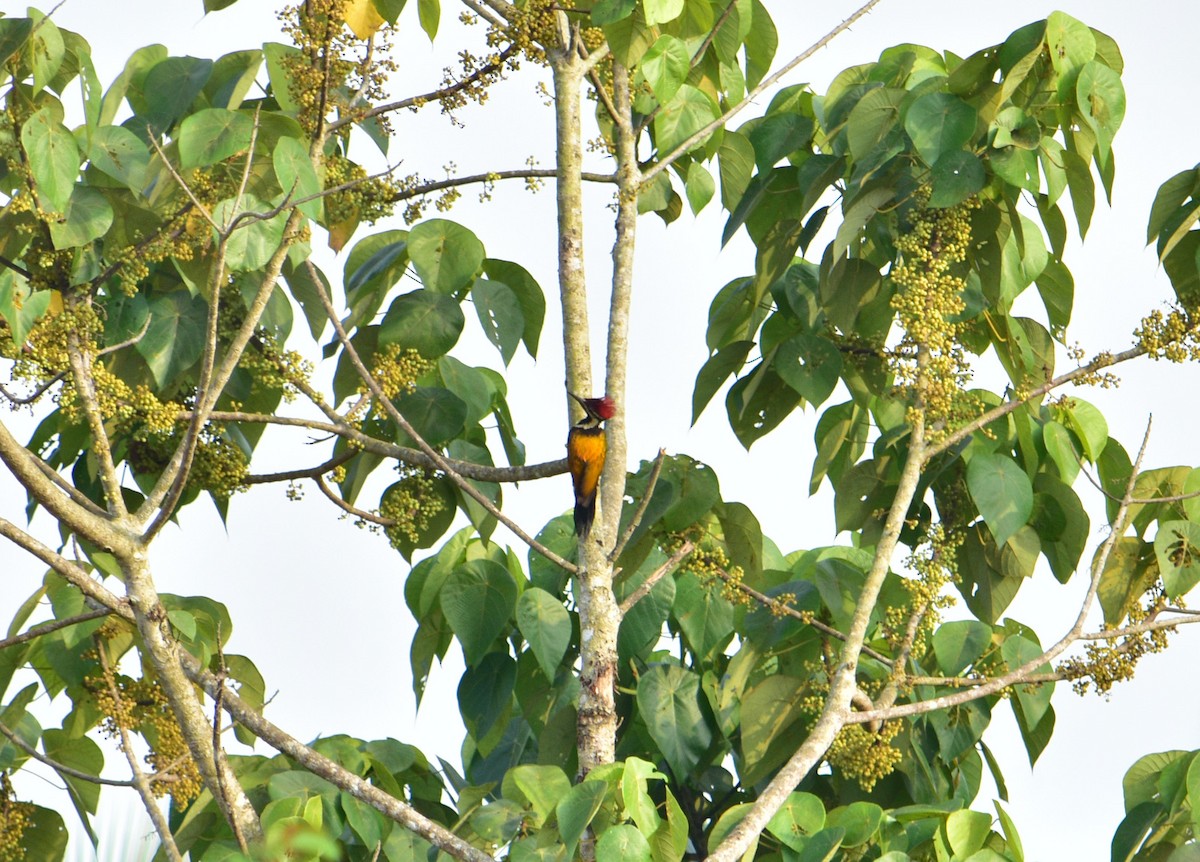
{"x": 318, "y": 604}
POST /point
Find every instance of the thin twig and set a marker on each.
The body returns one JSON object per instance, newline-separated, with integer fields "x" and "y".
{"x": 434, "y": 96}
{"x": 363, "y": 514}
{"x": 60, "y": 767}
{"x": 636, "y": 520}
{"x": 303, "y": 473}
{"x": 52, "y": 626}
{"x": 654, "y": 577}
{"x": 521, "y": 173}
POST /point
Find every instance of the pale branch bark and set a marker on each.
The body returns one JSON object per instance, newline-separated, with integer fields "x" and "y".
{"x": 60, "y": 767}
{"x": 71, "y": 571}
{"x": 1017, "y": 675}
{"x": 362, "y": 514}
{"x": 989, "y": 416}
{"x": 654, "y": 577}
{"x": 437, "y": 95}
{"x": 685, "y": 146}
{"x": 164, "y": 653}
{"x": 436, "y": 457}
{"x": 572, "y": 283}
{"x": 322, "y": 766}
{"x": 52, "y": 626}
{"x": 1137, "y": 501}
{"x": 74, "y": 494}
{"x": 86, "y": 521}
{"x": 140, "y": 781}
{"x": 79, "y": 357}
{"x": 640, "y": 511}
{"x": 303, "y": 473}
{"x": 518, "y": 174}
{"x": 415, "y": 457}
{"x": 612, "y": 487}
{"x": 844, "y": 683}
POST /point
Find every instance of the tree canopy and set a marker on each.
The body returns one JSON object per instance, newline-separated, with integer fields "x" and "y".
{"x": 679, "y": 685}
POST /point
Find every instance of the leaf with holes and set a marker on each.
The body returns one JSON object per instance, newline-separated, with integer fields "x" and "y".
{"x": 500, "y": 316}
{"x": 1177, "y": 547}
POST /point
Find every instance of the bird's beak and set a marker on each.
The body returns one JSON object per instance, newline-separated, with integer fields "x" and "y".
{"x": 577, "y": 398}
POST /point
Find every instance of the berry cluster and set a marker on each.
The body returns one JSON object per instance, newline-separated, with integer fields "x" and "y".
{"x": 141, "y": 705}
{"x": 410, "y": 505}
{"x": 15, "y": 818}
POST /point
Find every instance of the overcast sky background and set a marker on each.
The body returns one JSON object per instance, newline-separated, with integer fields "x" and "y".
{"x": 318, "y": 604}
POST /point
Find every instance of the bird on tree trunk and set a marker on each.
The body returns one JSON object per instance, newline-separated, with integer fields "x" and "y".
{"x": 586, "y": 448}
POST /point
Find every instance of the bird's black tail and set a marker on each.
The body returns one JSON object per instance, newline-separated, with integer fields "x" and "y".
{"x": 585, "y": 513}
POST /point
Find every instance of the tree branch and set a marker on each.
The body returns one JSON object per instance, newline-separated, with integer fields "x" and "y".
{"x": 436, "y": 457}
{"x": 640, "y": 511}
{"x": 60, "y": 767}
{"x": 52, "y": 626}
{"x": 654, "y": 577}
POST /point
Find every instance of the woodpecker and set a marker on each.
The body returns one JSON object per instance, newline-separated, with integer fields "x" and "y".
{"x": 586, "y": 448}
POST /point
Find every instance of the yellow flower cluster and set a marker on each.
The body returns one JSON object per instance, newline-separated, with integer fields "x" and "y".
{"x": 930, "y": 362}
{"x": 141, "y": 706}
{"x": 15, "y": 818}
{"x": 411, "y": 505}
{"x": 1113, "y": 660}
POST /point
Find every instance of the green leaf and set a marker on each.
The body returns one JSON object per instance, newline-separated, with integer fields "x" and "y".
{"x": 856, "y": 214}
{"x": 478, "y": 599}
{"x": 666, "y": 65}
{"x": 437, "y": 414}
{"x": 1101, "y": 99}
{"x": 171, "y": 86}
{"x": 88, "y": 217}
{"x": 623, "y": 842}
{"x": 485, "y": 692}
{"x": 810, "y": 364}
{"x": 528, "y": 292}
{"x": 540, "y": 786}
{"x": 608, "y": 12}
{"x": 446, "y": 255}
{"x": 1170, "y": 197}
{"x": 662, "y": 11}
{"x": 959, "y": 644}
{"x": 45, "y": 837}
{"x": 499, "y": 312}
{"x": 546, "y": 625}
{"x": 705, "y": 617}
{"x": 728, "y": 360}
{"x": 175, "y": 338}
{"x": 13, "y": 34}
{"x": 121, "y": 154}
{"x": 677, "y": 120}
{"x": 81, "y": 753}
{"x": 801, "y": 816}
{"x": 1131, "y": 568}
{"x": 576, "y": 809}
{"x": 966, "y": 831}
{"x": 20, "y": 308}
{"x": 777, "y": 136}
{"x": 939, "y": 123}
{"x": 53, "y": 158}
{"x": 297, "y": 176}
{"x": 1002, "y": 492}
{"x": 956, "y": 176}
{"x": 770, "y": 710}
{"x": 430, "y": 14}
{"x": 1177, "y": 548}
{"x": 1015, "y": 851}
{"x": 874, "y": 120}
{"x": 426, "y": 321}
{"x": 1061, "y": 523}
{"x": 668, "y": 700}
{"x": 213, "y": 135}
{"x": 859, "y": 820}
{"x": 699, "y": 187}
{"x": 1083, "y": 190}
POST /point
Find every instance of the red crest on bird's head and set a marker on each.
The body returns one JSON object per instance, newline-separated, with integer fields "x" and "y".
{"x": 601, "y": 408}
